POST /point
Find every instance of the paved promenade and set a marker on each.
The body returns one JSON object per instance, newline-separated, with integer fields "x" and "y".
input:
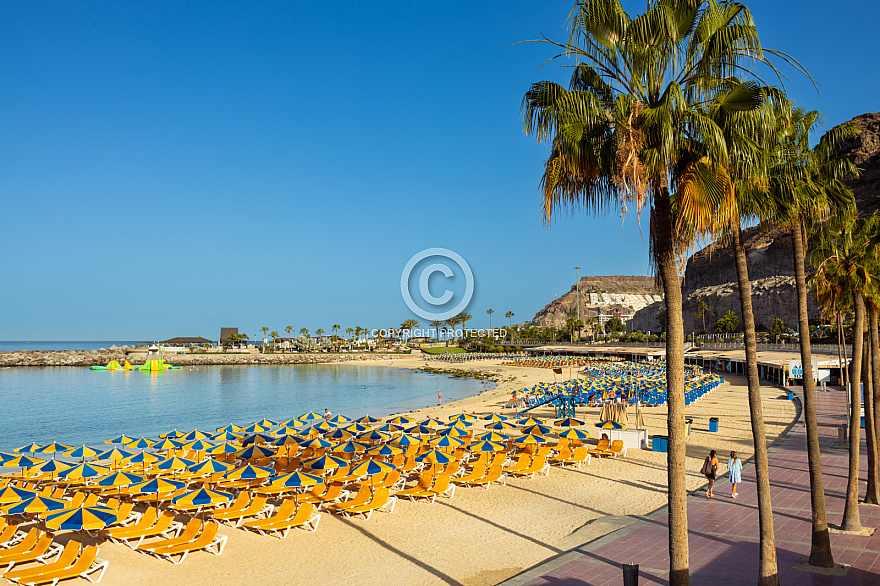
{"x": 724, "y": 531}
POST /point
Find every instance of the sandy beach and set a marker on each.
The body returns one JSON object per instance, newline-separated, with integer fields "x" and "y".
{"x": 479, "y": 536}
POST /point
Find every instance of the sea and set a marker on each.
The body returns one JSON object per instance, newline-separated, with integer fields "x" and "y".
{"x": 76, "y": 406}
{"x": 15, "y": 346}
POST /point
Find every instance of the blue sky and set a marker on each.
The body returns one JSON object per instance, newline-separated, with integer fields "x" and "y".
{"x": 167, "y": 168}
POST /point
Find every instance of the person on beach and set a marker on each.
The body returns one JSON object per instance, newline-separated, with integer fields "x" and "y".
{"x": 327, "y": 414}
{"x": 734, "y": 469}
{"x": 710, "y": 467}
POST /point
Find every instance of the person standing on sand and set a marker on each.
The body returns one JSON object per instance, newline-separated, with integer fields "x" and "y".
{"x": 710, "y": 467}
{"x": 734, "y": 468}
{"x": 327, "y": 414}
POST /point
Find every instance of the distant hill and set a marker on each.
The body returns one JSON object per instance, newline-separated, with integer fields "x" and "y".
{"x": 623, "y": 294}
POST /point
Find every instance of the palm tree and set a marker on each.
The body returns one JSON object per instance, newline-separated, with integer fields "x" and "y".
{"x": 304, "y": 332}
{"x": 805, "y": 185}
{"x": 509, "y": 315}
{"x": 872, "y": 494}
{"x": 573, "y": 324}
{"x": 591, "y": 322}
{"x": 289, "y": 330}
{"x": 273, "y": 335}
{"x": 703, "y": 308}
{"x": 265, "y": 331}
{"x": 437, "y": 325}
{"x": 319, "y": 332}
{"x": 630, "y": 132}
{"x": 490, "y": 312}
{"x": 409, "y": 325}
{"x": 463, "y": 318}
{"x": 844, "y": 254}
{"x": 748, "y": 135}
{"x": 451, "y": 323}
{"x": 348, "y": 333}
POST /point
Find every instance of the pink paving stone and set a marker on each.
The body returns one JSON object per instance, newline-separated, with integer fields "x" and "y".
{"x": 724, "y": 533}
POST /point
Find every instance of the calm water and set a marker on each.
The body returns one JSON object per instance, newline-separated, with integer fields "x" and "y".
{"x": 13, "y": 346}
{"x": 79, "y": 406}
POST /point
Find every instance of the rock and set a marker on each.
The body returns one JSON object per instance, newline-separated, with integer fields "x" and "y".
{"x": 622, "y": 294}
{"x": 864, "y": 150}
{"x": 710, "y": 275}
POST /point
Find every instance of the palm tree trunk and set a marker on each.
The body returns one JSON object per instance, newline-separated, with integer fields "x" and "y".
{"x": 820, "y": 546}
{"x": 841, "y": 351}
{"x": 768, "y": 574}
{"x": 872, "y": 496}
{"x": 851, "y": 518}
{"x": 873, "y": 317}
{"x": 662, "y": 242}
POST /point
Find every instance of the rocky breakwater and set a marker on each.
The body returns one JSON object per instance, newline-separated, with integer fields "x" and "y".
{"x": 102, "y": 357}
{"x": 60, "y": 358}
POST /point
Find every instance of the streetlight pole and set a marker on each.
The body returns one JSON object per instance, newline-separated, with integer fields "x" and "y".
{"x": 578, "y": 287}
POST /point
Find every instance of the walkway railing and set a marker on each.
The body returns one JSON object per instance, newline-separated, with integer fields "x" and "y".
{"x": 739, "y": 345}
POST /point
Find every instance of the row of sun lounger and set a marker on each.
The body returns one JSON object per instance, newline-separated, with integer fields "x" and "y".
{"x": 156, "y": 532}
{"x": 36, "y": 546}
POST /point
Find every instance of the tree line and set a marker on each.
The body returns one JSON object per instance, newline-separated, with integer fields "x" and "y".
{"x": 668, "y": 112}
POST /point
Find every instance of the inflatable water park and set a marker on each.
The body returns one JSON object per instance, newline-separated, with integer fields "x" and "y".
{"x": 150, "y": 366}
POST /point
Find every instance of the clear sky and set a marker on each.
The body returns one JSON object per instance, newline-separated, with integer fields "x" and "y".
{"x": 167, "y": 168}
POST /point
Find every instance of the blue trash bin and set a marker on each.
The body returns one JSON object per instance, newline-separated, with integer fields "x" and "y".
{"x": 790, "y": 396}
{"x": 713, "y": 424}
{"x": 664, "y": 443}
{"x": 656, "y": 444}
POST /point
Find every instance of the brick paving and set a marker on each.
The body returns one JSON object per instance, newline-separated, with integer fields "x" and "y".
{"x": 723, "y": 532}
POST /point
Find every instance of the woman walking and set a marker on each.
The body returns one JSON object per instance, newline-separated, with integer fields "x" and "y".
{"x": 734, "y": 468}
{"x": 710, "y": 467}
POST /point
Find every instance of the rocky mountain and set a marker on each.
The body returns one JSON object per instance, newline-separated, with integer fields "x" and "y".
{"x": 609, "y": 295}
{"x": 710, "y": 275}
{"x": 864, "y": 150}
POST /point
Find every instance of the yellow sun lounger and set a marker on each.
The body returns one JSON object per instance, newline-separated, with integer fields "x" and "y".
{"x": 539, "y": 464}
{"x": 522, "y": 464}
{"x": 209, "y": 540}
{"x": 362, "y": 496}
{"x": 617, "y": 449}
{"x": 67, "y": 566}
{"x": 478, "y": 472}
{"x": 601, "y": 447}
{"x": 41, "y": 551}
{"x": 147, "y": 520}
{"x": 235, "y": 515}
{"x": 578, "y": 457}
{"x": 495, "y": 474}
{"x": 429, "y": 488}
{"x": 393, "y": 480}
{"x": 317, "y": 490}
{"x": 381, "y": 501}
{"x": 286, "y": 518}
{"x": 333, "y": 493}
{"x": 190, "y": 532}
{"x": 165, "y": 526}
{"x": 563, "y": 454}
